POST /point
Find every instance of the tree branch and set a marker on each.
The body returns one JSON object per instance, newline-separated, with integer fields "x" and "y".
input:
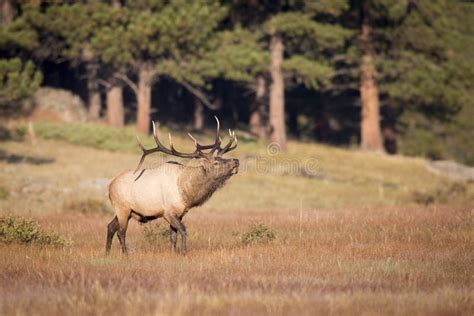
{"x": 200, "y": 95}
{"x": 129, "y": 82}
{"x": 106, "y": 84}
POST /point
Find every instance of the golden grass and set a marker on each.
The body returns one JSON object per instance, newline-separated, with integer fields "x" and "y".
{"x": 386, "y": 261}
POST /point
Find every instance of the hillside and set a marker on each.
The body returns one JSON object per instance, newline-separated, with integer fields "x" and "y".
{"x": 75, "y": 162}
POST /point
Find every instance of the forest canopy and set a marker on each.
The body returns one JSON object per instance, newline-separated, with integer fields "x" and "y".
{"x": 393, "y": 76}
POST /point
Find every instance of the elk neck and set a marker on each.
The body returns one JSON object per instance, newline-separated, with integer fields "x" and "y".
{"x": 196, "y": 186}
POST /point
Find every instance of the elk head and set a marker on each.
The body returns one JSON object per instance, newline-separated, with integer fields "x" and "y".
{"x": 210, "y": 156}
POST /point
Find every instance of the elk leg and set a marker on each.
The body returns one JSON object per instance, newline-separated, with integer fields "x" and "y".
{"x": 176, "y": 223}
{"x": 111, "y": 230}
{"x": 122, "y": 231}
{"x": 173, "y": 238}
{"x": 121, "y": 235}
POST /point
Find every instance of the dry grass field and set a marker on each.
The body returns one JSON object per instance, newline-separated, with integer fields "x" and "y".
{"x": 384, "y": 261}
{"x": 357, "y": 234}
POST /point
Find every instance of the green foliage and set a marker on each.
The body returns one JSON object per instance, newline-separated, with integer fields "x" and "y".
{"x": 172, "y": 38}
{"x": 423, "y": 142}
{"x": 18, "y": 80}
{"x": 309, "y": 38}
{"x": 259, "y": 233}
{"x": 311, "y": 73}
{"x": 25, "y": 231}
{"x": 422, "y": 50}
{"x": 17, "y": 35}
{"x": 428, "y": 76}
{"x": 327, "y": 7}
{"x": 422, "y": 68}
{"x": 458, "y": 135}
{"x": 418, "y": 86}
{"x": 237, "y": 56}
{"x": 65, "y": 30}
{"x": 300, "y": 28}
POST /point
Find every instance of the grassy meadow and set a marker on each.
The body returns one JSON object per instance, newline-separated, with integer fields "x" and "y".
{"x": 346, "y": 233}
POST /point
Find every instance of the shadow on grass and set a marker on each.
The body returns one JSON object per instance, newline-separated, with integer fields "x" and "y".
{"x": 14, "y": 158}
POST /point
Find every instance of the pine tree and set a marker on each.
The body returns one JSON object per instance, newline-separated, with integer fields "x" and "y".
{"x": 412, "y": 59}
{"x": 300, "y": 37}
{"x": 19, "y": 77}
{"x": 370, "y": 131}
{"x": 234, "y": 55}
{"x": 65, "y": 32}
{"x": 111, "y": 18}
{"x": 158, "y": 39}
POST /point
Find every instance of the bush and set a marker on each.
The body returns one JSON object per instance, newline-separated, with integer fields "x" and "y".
{"x": 155, "y": 233}
{"x": 258, "y": 233}
{"x": 25, "y": 231}
{"x": 87, "y": 206}
{"x": 423, "y": 143}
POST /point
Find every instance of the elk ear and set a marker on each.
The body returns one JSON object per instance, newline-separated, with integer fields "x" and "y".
{"x": 204, "y": 163}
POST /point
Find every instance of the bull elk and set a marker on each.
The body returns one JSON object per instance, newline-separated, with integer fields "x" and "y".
{"x": 170, "y": 190}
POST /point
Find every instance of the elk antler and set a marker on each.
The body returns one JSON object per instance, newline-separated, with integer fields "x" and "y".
{"x": 198, "y": 152}
{"x": 216, "y": 147}
{"x": 161, "y": 148}
{"x": 229, "y": 147}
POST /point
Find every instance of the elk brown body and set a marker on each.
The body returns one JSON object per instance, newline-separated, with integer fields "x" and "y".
{"x": 170, "y": 190}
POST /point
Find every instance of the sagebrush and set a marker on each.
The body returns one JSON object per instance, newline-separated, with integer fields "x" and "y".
{"x": 258, "y": 233}
{"x": 155, "y": 233}
{"x": 15, "y": 229}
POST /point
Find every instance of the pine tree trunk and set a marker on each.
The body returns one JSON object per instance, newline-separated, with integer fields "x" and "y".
{"x": 145, "y": 77}
{"x": 277, "y": 93}
{"x": 370, "y": 119}
{"x": 198, "y": 115}
{"x": 114, "y": 94}
{"x": 93, "y": 92}
{"x": 370, "y": 132}
{"x": 256, "y": 110}
{"x": 115, "y": 108}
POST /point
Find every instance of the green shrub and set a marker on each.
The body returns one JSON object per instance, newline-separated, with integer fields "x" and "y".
{"x": 258, "y": 233}
{"x": 87, "y": 206}
{"x": 20, "y": 230}
{"x": 423, "y": 143}
{"x": 155, "y": 233}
